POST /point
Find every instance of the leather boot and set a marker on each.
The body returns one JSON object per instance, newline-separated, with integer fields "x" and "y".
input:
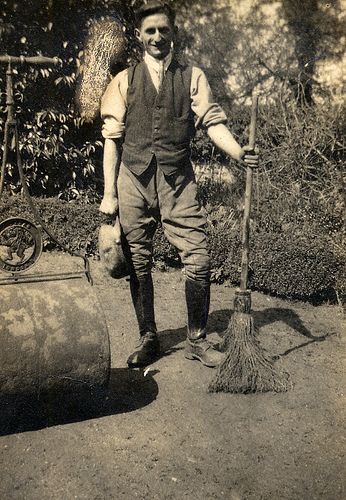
{"x": 146, "y": 351}
{"x": 142, "y": 293}
{"x": 197, "y": 301}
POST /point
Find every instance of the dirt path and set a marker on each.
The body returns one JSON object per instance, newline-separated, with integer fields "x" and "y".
{"x": 161, "y": 436}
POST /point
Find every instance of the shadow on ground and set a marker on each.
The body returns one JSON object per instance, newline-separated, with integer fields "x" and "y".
{"x": 128, "y": 390}
{"x": 219, "y": 322}
{"x": 171, "y": 339}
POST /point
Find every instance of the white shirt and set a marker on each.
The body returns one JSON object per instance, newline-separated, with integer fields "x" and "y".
{"x": 114, "y": 100}
{"x": 154, "y": 67}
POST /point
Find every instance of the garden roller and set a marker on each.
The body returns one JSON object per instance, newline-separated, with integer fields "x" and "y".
{"x": 53, "y": 331}
{"x": 53, "y": 336}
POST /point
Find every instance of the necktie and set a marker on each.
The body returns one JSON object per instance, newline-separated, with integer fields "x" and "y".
{"x": 161, "y": 73}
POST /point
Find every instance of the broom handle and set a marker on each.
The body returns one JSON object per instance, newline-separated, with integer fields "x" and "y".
{"x": 247, "y": 203}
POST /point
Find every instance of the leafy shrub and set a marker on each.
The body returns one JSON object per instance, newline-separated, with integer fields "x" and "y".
{"x": 224, "y": 244}
{"x": 286, "y": 263}
{"x": 74, "y": 225}
{"x": 61, "y": 153}
{"x": 294, "y": 265}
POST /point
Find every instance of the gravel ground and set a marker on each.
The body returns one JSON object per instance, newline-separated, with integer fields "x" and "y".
{"x": 160, "y": 435}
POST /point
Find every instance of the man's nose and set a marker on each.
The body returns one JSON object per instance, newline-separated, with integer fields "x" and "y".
{"x": 157, "y": 36}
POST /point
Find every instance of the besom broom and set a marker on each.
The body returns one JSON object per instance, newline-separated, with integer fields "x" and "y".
{"x": 105, "y": 46}
{"x": 246, "y": 367}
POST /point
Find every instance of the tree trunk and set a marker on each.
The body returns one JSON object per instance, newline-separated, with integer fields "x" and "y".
{"x": 301, "y": 17}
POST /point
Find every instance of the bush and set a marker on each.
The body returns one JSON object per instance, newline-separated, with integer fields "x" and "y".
{"x": 164, "y": 254}
{"x": 74, "y": 225}
{"x": 295, "y": 266}
{"x": 285, "y": 263}
{"x": 61, "y": 153}
{"x": 289, "y": 263}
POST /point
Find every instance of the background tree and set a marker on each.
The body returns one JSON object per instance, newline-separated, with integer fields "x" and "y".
{"x": 317, "y": 30}
{"x": 283, "y": 46}
{"x": 275, "y": 47}
{"x": 278, "y": 48}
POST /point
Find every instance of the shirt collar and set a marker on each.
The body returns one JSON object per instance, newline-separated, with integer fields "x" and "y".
{"x": 154, "y": 64}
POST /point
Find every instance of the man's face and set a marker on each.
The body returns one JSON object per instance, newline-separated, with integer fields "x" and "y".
{"x": 156, "y": 34}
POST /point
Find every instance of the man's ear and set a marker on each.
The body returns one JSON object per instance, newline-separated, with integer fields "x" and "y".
{"x": 175, "y": 36}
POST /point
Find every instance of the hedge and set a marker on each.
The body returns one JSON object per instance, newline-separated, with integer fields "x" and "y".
{"x": 288, "y": 263}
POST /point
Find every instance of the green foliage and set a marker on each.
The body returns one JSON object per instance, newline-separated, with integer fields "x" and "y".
{"x": 287, "y": 263}
{"x": 164, "y": 254}
{"x": 74, "y": 224}
{"x": 292, "y": 265}
{"x": 61, "y": 154}
{"x": 298, "y": 221}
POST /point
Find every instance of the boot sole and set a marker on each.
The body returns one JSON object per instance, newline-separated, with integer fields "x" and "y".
{"x": 198, "y": 358}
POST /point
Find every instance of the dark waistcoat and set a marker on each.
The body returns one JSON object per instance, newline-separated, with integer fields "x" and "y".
{"x": 159, "y": 124}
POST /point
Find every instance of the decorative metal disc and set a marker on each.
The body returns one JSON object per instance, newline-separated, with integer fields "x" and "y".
{"x": 20, "y": 245}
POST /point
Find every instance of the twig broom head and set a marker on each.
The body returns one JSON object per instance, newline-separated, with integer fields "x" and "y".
{"x": 105, "y": 45}
{"x": 246, "y": 367}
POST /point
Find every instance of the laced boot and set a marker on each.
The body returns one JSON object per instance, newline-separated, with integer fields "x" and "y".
{"x": 142, "y": 293}
{"x": 197, "y": 346}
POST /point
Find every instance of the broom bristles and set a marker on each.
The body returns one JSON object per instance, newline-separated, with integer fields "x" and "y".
{"x": 246, "y": 367}
{"x": 105, "y": 44}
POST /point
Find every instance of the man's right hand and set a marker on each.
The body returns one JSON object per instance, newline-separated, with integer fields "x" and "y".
{"x": 109, "y": 205}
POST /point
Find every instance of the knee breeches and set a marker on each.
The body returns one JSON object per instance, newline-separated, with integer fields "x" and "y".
{"x": 145, "y": 200}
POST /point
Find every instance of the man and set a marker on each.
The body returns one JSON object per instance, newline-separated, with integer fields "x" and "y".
{"x": 150, "y": 112}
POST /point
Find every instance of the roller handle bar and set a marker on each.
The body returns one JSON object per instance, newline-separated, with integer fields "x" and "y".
{"x": 35, "y": 60}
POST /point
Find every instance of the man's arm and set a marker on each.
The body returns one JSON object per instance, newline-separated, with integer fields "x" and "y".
{"x": 113, "y": 111}
{"x": 211, "y": 115}
{"x": 223, "y": 139}
{"x": 111, "y": 164}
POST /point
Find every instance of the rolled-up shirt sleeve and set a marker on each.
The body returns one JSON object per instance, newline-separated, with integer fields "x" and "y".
{"x": 114, "y": 105}
{"x": 207, "y": 111}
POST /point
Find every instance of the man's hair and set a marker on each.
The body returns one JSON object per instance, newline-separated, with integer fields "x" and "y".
{"x": 154, "y": 7}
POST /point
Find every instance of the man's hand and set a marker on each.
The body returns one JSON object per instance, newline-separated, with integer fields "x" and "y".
{"x": 109, "y": 205}
{"x": 250, "y": 156}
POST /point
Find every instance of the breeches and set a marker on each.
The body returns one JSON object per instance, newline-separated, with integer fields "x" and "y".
{"x": 145, "y": 200}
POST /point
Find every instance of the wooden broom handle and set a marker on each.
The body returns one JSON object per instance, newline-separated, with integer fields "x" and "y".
{"x": 247, "y": 202}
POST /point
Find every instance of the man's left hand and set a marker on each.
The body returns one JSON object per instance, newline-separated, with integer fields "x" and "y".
{"x": 250, "y": 156}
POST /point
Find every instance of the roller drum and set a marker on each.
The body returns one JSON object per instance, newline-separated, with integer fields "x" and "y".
{"x": 53, "y": 337}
